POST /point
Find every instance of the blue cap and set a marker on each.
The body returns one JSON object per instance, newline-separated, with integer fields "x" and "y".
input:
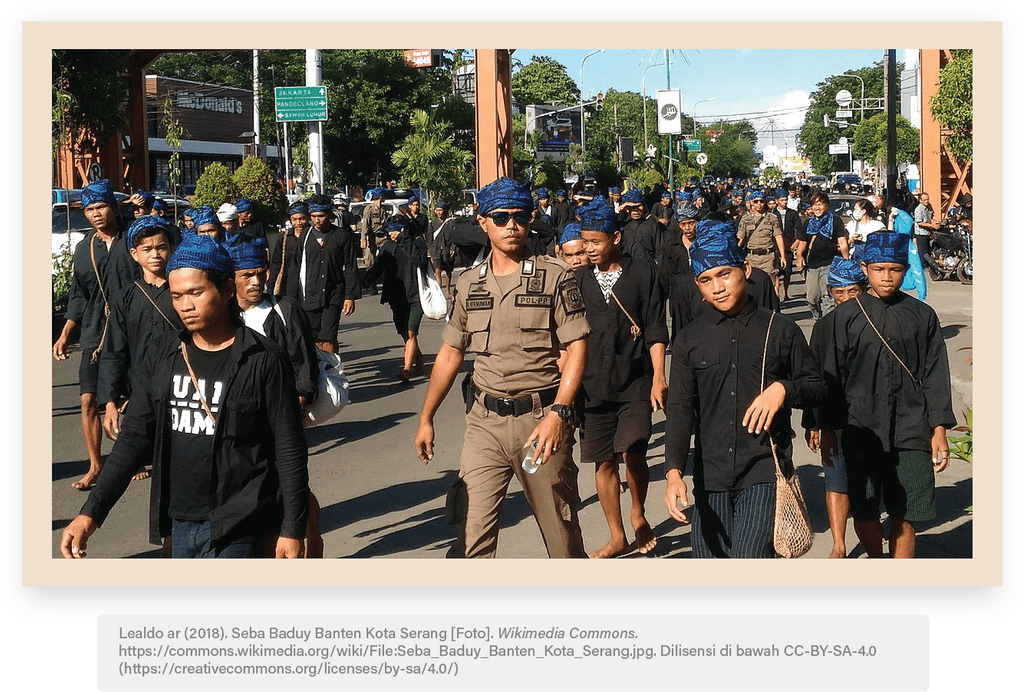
{"x": 250, "y": 252}
{"x": 571, "y": 231}
{"x": 97, "y": 193}
{"x": 598, "y": 216}
{"x": 204, "y": 216}
{"x": 504, "y": 193}
{"x": 715, "y": 249}
{"x": 200, "y": 252}
{"x": 146, "y": 221}
{"x": 886, "y": 246}
{"x": 633, "y": 196}
{"x": 844, "y": 272}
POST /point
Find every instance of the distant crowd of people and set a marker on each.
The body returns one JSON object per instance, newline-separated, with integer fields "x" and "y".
{"x": 199, "y": 357}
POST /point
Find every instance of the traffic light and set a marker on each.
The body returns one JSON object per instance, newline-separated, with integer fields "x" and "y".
{"x": 600, "y": 102}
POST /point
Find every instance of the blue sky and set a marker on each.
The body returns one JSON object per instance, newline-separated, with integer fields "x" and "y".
{"x": 762, "y": 85}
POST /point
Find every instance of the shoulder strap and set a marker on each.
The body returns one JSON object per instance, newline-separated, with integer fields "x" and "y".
{"x": 153, "y": 302}
{"x": 763, "y": 377}
{"x": 635, "y": 331}
{"x": 885, "y": 342}
{"x": 195, "y": 383}
{"x": 106, "y": 301}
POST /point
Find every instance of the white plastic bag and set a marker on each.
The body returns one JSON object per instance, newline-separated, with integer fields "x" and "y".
{"x": 333, "y": 390}
{"x": 431, "y": 297}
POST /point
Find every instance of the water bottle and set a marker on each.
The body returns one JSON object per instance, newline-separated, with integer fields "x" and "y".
{"x": 528, "y": 464}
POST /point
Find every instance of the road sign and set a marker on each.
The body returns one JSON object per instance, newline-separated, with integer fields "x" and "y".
{"x": 301, "y": 104}
{"x": 843, "y": 114}
{"x": 835, "y": 149}
{"x": 694, "y": 145}
{"x": 701, "y": 159}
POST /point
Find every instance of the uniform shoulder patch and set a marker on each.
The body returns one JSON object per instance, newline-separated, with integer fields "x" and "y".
{"x": 571, "y": 296}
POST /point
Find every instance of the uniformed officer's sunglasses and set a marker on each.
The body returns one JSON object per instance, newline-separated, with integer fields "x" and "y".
{"x": 501, "y": 217}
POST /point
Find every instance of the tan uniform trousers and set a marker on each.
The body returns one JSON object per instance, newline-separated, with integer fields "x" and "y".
{"x": 492, "y": 454}
{"x": 767, "y": 262}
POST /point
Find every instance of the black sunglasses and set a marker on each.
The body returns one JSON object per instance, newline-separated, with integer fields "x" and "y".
{"x": 522, "y": 218}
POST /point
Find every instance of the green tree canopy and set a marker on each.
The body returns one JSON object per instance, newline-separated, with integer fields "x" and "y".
{"x": 543, "y": 80}
{"x": 215, "y": 186}
{"x": 88, "y": 92}
{"x": 815, "y": 138}
{"x": 733, "y": 155}
{"x": 255, "y": 181}
{"x": 428, "y": 158}
{"x": 871, "y": 141}
{"x": 952, "y": 106}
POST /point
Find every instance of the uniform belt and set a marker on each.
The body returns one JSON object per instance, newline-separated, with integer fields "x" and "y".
{"x": 758, "y": 251}
{"x": 514, "y": 406}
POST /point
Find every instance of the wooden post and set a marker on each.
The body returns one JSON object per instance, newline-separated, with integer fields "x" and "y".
{"x": 493, "y": 115}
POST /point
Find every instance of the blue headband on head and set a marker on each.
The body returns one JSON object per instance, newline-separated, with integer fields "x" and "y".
{"x": 572, "y": 231}
{"x": 147, "y": 197}
{"x": 561, "y": 193}
{"x": 441, "y": 204}
{"x": 780, "y": 192}
{"x": 243, "y": 204}
{"x": 375, "y": 193}
{"x": 252, "y": 252}
{"x": 298, "y": 208}
{"x": 504, "y": 193}
{"x": 542, "y": 193}
{"x": 396, "y": 223}
{"x": 188, "y": 213}
{"x": 204, "y": 216}
{"x": 147, "y": 221}
{"x": 614, "y": 190}
{"x": 710, "y": 226}
{"x": 754, "y": 194}
{"x": 844, "y": 272}
{"x": 598, "y": 216}
{"x": 684, "y": 197}
{"x": 315, "y": 207}
{"x": 886, "y": 246}
{"x": 686, "y": 210}
{"x": 200, "y": 252}
{"x": 633, "y": 196}
{"x": 98, "y": 192}
{"x": 715, "y": 249}
{"x": 159, "y": 205}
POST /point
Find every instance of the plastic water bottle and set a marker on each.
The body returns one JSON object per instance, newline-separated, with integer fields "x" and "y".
{"x": 528, "y": 464}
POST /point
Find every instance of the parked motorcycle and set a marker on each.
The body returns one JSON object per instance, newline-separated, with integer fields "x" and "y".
{"x": 951, "y": 253}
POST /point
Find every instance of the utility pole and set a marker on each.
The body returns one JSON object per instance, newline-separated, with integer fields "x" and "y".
{"x": 255, "y": 102}
{"x": 890, "y": 107}
{"x": 314, "y": 77}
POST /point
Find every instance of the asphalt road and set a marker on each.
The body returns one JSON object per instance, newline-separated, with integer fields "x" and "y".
{"x": 379, "y": 501}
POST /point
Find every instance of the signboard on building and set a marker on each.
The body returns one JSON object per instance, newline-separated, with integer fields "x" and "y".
{"x": 560, "y": 128}
{"x": 669, "y": 112}
{"x": 422, "y": 57}
{"x": 300, "y": 104}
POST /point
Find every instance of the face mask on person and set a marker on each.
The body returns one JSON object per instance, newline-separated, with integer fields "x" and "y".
{"x": 857, "y": 214}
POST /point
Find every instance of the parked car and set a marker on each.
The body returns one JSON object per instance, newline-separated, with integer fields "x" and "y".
{"x": 69, "y": 224}
{"x": 847, "y": 184}
{"x": 842, "y": 205}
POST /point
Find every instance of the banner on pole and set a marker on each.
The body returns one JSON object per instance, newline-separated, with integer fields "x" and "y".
{"x": 669, "y": 112}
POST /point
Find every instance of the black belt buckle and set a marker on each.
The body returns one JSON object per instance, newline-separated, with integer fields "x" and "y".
{"x": 504, "y": 406}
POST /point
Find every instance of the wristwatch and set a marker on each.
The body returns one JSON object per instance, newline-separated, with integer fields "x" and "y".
{"x": 567, "y": 413}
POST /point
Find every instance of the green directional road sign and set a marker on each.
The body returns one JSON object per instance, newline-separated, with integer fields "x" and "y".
{"x": 694, "y": 145}
{"x": 301, "y": 104}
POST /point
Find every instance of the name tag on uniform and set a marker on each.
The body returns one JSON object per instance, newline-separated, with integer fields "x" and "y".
{"x": 534, "y": 301}
{"x": 479, "y": 303}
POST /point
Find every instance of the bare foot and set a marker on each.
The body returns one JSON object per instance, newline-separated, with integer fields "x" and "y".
{"x": 141, "y": 475}
{"x": 86, "y": 482}
{"x": 645, "y": 539}
{"x": 612, "y": 549}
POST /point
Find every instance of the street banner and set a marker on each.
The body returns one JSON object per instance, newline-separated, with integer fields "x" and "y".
{"x": 669, "y": 112}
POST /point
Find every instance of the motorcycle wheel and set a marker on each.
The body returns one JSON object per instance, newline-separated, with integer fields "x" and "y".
{"x": 964, "y": 272}
{"x": 935, "y": 274}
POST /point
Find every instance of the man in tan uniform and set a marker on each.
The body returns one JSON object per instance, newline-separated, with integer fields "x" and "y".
{"x": 516, "y": 313}
{"x": 760, "y": 234}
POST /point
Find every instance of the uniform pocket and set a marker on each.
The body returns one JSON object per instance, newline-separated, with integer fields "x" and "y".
{"x": 477, "y": 331}
{"x": 535, "y": 328}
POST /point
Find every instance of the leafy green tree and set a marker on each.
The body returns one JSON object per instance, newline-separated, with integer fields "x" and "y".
{"x": 255, "y": 181}
{"x": 952, "y": 106}
{"x": 815, "y": 138}
{"x": 622, "y": 116}
{"x": 733, "y": 153}
{"x": 89, "y": 90}
{"x": 871, "y": 141}
{"x": 543, "y": 80}
{"x": 428, "y": 158}
{"x": 215, "y": 186}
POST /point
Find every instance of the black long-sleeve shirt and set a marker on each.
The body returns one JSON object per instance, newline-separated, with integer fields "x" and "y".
{"x": 86, "y": 302}
{"x": 875, "y": 393}
{"x": 618, "y": 367}
{"x": 141, "y": 314}
{"x": 716, "y": 366}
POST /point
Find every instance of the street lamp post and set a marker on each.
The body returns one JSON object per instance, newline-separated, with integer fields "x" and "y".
{"x": 694, "y": 112}
{"x": 582, "y": 98}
